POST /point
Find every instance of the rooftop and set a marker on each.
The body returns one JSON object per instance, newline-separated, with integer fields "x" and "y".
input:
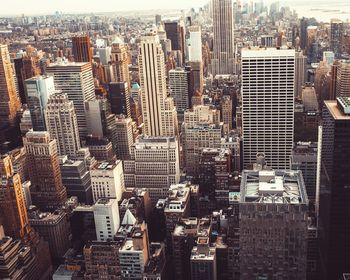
{"x": 273, "y": 186}
{"x": 336, "y": 110}
{"x": 267, "y": 52}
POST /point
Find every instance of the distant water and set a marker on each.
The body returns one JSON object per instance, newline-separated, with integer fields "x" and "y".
{"x": 320, "y": 9}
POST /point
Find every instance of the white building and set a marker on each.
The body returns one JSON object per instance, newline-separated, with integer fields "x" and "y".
{"x": 268, "y": 105}
{"x": 38, "y": 90}
{"x": 158, "y": 111}
{"x": 179, "y": 87}
{"x": 107, "y": 180}
{"x": 61, "y": 123}
{"x": 194, "y": 44}
{"x": 76, "y": 80}
{"x": 154, "y": 165}
{"x": 223, "y": 43}
{"x": 106, "y": 216}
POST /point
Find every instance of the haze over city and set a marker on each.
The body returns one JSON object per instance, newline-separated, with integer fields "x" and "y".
{"x": 175, "y": 140}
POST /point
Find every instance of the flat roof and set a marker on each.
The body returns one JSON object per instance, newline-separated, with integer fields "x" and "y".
{"x": 335, "y": 110}
{"x": 267, "y": 52}
{"x": 273, "y": 186}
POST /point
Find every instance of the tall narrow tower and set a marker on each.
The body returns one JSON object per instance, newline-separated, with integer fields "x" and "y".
{"x": 81, "y": 48}
{"x": 268, "y": 105}
{"x": 159, "y": 112}
{"x": 12, "y": 205}
{"x": 47, "y": 189}
{"x": 120, "y": 61}
{"x": 9, "y": 101}
{"x": 223, "y": 43}
{"x": 62, "y": 124}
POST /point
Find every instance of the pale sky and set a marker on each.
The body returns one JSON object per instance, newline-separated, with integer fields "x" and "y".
{"x": 39, "y": 7}
{"x": 15, "y": 7}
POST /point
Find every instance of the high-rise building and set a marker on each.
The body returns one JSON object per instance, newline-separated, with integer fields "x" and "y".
{"x": 334, "y": 208}
{"x": 175, "y": 33}
{"x": 343, "y": 79}
{"x": 227, "y": 113}
{"x": 179, "y": 83}
{"x": 154, "y": 165}
{"x": 119, "y": 98}
{"x": 54, "y": 228}
{"x": 38, "y": 90}
{"x": 17, "y": 261}
{"x": 134, "y": 253}
{"x": 201, "y": 129}
{"x": 156, "y": 266}
{"x": 328, "y": 57}
{"x": 102, "y": 260}
{"x": 268, "y": 80}
{"x": 300, "y": 72}
{"x": 223, "y": 41}
{"x": 203, "y": 260}
{"x": 304, "y": 158}
{"x": 304, "y": 22}
{"x": 77, "y": 180}
{"x": 125, "y": 139}
{"x": 47, "y": 189}
{"x": 273, "y": 225}
{"x": 76, "y": 80}
{"x": 194, "y": 44}
{"x": 120, "y": 61}
{"x": 158, "y": 110}
{"x": 12, "y": 204}
{"x": 9, "y": 101}
{"x": 337, "y": 32}
{"x": 62, "y": 125}
{"x": 196, "y": 78}
{"x": 81, "y": 48}
{"x": 107, "y": 180}
{"x": 107, "y": 220}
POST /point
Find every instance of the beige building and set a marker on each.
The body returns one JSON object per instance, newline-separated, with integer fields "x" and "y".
{"x": 61, "y": 123}
{"x": 9, "y": 101}
{"x": 154, "y": 165}
{"x": 158, "y": 110}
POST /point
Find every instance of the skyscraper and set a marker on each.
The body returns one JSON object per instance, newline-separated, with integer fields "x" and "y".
{"x": 268, "y": 105}
{"x": 62, "y": 125}
{"x": 273, "y": 225}
{"x": 154, "y": 165}
{"x": 47, "y": 189}
{"x": 175, "y": 32}
{"x": 9, "y": 101}
{"x": 337, "y": 30}
{"x": 81, "y": 48}
{"x": 300, "y": 72}
{"x": 76, "y": 80}
{"x": 120, "y": 61}
{"x": 343, "y": 79}
{"x": 334, "y": 189}
{"x": 38, "y": 90}
{"x": 179, "y": 81}
{"x": 223, "y": 42}
{"x": 107, "y": 180}
{"x": 194, "y": 44}
{"x": 159, "y": 112}
{"x": 12, "y": 205}
{"x": 119, "y": 98}
{"x": 124, "y": 131}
